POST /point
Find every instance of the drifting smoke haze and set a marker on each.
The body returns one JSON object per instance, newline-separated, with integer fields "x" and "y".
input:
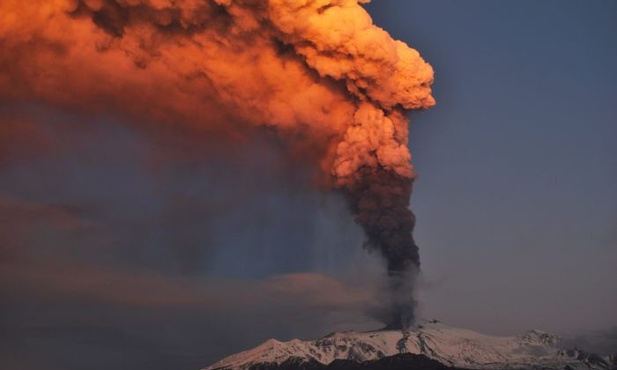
{"x": 332, "y": 86}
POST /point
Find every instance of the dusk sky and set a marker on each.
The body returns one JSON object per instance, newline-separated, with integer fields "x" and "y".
{"x": 516, "y": 197}
{"x": 167, "y": 248}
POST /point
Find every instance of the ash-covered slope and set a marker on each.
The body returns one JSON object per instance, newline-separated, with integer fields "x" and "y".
{"x": 457, "y": 348}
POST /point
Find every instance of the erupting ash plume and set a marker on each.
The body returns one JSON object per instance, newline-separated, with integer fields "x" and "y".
{"x": 331, "y": 84}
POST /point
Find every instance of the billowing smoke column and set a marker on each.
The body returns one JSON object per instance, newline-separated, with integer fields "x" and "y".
{"x": 331, "y": 84}
{"x": 380, "y": 199}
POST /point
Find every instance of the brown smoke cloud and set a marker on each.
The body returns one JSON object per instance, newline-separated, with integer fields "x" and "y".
{"x": 332, "y": 85}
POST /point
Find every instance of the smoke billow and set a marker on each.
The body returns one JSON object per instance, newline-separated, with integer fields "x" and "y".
{"x": 333, "y": 86}
{"x": 380, "y": 200}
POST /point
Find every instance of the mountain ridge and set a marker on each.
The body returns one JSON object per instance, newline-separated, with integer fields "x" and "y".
{"x": 453, "y": 348}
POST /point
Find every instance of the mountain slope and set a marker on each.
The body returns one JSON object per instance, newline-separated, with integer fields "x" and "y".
{"x": 403, "y": 361}
{"x": 455, "y": 347}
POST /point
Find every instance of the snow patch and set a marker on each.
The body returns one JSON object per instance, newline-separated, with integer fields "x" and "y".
{"x": 452, "y": 346}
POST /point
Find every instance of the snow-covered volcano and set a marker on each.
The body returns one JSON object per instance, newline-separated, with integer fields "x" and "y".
{"x": 455, "y": 347}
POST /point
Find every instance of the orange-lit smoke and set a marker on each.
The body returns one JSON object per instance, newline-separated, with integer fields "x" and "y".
{"x": 317, "y": 71}
{"x": 316, "y": 67}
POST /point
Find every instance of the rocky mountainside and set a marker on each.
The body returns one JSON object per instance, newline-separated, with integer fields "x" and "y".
{"x": 431, "y": 345}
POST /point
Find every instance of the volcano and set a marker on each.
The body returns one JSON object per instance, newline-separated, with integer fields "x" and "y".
{"x": 430, "y": 345}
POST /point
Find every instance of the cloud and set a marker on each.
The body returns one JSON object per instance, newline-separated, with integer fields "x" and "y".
{"x": 129, "y": 132}
{"x": 74, "y": 315}
{"x": 319, "y": 74}
{"x": 602, "y": 342}
{"x": 81, "y": 292}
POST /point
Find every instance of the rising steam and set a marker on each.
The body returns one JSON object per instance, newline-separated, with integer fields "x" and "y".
{"x": 332, "y": 85}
